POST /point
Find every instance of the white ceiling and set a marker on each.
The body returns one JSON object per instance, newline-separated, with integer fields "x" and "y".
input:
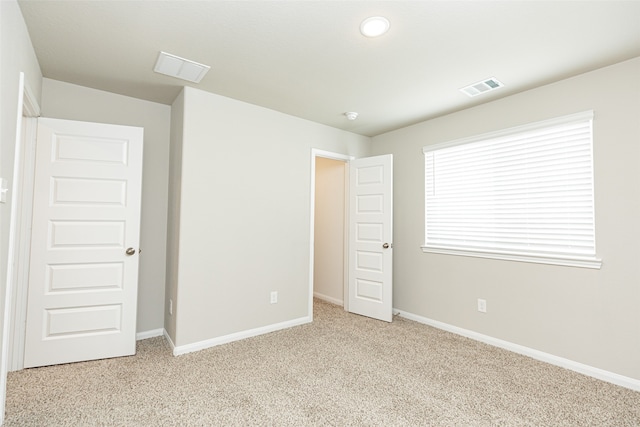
{"x": 308, "y": 59}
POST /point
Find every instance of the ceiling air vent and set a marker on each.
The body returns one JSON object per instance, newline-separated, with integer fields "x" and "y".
{"x": 481, "y": 87}
{"x": 181, "y": 68}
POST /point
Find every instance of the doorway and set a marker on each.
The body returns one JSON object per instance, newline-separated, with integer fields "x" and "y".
{"x": 329, "y": 253}
{"x": 351, "y": 242}
{"x": 329, "y": 227}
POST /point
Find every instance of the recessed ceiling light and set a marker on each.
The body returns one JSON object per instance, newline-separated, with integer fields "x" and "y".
{"x": 374, "y": 26}
{"x": 174, "y": 66}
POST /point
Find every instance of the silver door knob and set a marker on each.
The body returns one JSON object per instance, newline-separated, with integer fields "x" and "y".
{"x": 130, "y": 251}
{"x": 385, "y": 246}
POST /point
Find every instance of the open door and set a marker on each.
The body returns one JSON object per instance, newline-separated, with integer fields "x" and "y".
{"x": 83, "y": 274}
{"x": 370, "y": 237}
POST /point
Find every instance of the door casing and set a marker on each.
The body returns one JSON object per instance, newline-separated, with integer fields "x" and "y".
{"x": 27, "y": 106}
{"x": 17, "y": 279}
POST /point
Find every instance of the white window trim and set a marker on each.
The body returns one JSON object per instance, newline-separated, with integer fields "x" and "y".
{"x": 593, "y": 263}
{"x": 583, "y": 262}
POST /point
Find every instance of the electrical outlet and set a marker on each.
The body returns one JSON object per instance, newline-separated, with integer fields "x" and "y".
{"x": 274, "y": 297}
{"x": 4, "y": 189}
{"x": 482, "y": 305}
{"x": 170, "y": 307}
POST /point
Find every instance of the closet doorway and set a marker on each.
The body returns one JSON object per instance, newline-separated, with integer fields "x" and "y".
{"x": 330, "y": 228}
{"x": 351, "y": 233}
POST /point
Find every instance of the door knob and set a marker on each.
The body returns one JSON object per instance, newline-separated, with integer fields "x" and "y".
{"x": 130, "y": 251}
{"x": 385, "y": 246}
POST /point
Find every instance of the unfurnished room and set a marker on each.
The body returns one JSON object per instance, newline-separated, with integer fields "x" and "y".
{"x": 320, "y": 213}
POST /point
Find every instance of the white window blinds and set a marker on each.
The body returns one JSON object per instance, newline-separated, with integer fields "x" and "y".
{"x": 527, "y": 190}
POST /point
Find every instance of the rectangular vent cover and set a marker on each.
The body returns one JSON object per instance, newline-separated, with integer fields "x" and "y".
{"x": 481, "y": 87}
{"x": 180, "y": 68}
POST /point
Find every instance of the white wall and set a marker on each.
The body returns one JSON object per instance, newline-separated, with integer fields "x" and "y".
{"x": 244, "y": 215}
{"x": 328, "y": 272}
{"x": 16, "y": 56}
{"x": 588, "y": 316}
{"x": 173, "y": 222}
{"x": 67, "y": 101}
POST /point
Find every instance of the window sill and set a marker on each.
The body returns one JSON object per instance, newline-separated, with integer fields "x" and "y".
{"x": 593, "y": 263}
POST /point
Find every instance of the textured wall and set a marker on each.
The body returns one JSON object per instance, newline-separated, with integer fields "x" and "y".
{"x": 244, "y": 214}
{"x": 588, "y": 316}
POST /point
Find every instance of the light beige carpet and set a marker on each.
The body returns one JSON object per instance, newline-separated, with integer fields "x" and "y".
{"x": 341, "y": 370}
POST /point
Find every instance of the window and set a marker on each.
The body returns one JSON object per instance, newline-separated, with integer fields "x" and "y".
{"x": 523, "y": 194}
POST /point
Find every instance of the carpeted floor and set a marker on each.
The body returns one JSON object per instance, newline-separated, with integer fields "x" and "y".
{"x": 341, "y": 370}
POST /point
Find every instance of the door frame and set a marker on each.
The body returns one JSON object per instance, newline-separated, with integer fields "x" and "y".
{"x": 315, "y": 153}
{"x": 24, "y": 170}
{"x": 29, "y": 108}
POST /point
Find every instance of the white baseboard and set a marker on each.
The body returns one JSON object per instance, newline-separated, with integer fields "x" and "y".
{"x": 581, "y": 368}
{"x": 149, "y": 334}
{"x": 201, "y": 345}
{"x": 329, "y": 299}
{"x": 169, "y": 340}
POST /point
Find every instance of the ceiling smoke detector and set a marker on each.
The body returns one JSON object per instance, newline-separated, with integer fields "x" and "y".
{"x": 481, "y": 87}
{"x": 185, "y": 69}
{"x": 351, "y": 115}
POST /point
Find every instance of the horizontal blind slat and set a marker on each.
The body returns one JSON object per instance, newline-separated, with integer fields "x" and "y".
{"x": 531, "y": 191}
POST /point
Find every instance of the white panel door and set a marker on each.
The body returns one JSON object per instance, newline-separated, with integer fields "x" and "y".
{"x": 83, "y": 276}
{"x": 370, "y": 236}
